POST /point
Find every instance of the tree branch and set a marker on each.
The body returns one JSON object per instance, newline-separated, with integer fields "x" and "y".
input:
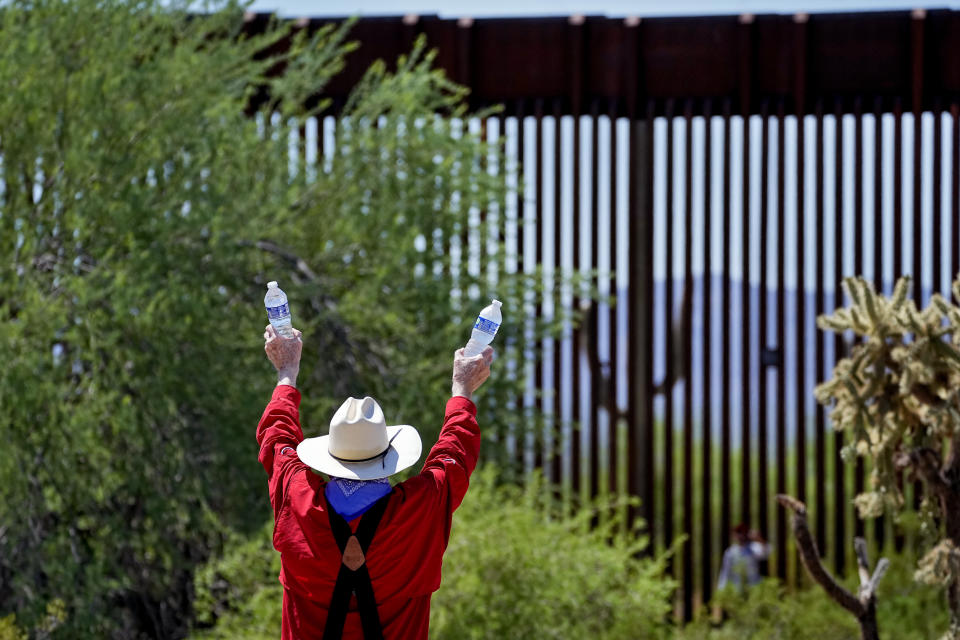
{"x": 926, "y": 464}
{"x": 299, "y": 263}
{"x": 952, "y": 466}
{"x": 868, "y": 583}
{"x": 325, "y": 307}
{"x": 879, "y": 571}
{"x": 811, "y": 558}
{"x": 863, "y": 563}
{"x": 923, "y": 393}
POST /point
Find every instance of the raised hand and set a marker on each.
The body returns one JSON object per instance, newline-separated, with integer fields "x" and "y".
{"x": 470, "y": 372}
{"x": 283, "y": 353}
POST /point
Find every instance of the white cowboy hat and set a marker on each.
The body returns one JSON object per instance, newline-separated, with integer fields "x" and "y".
{"x": 360, "y": 445}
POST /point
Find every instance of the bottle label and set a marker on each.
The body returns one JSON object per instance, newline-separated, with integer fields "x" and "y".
{"x": 487, "y": 326}
{"x": 278, "y": 313}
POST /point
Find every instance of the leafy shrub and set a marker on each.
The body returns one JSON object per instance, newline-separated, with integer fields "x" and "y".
{"x": 240, "y": 590}
{"x": 511, "y": 571}
{"x": 905, "y": 611}
{"x": 768, "y": 612}
{"x": 9, "y": 629}
{"x": 55, "y": 616}
{"x": 514, "y": 570}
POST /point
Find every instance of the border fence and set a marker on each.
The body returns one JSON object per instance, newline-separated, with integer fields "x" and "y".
{"x": 721, "y": 175}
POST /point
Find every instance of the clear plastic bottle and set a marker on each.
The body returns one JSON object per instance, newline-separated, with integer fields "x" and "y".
{"x": 484, "y": 329}
{"x": 278, "y": 309}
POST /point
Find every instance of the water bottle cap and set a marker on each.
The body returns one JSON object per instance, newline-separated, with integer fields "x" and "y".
{"x": 272, "y": 284}
{"x": 497, "y": 303}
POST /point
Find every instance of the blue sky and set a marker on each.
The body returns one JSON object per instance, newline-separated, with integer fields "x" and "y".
{"x": 457, "y": 8}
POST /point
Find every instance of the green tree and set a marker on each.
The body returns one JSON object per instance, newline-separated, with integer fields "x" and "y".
{"x": 148, "y": 193}
{"x": 897, "y": 396}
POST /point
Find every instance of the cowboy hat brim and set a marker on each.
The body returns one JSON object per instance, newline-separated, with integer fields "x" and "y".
{"x": 404, "y": 452}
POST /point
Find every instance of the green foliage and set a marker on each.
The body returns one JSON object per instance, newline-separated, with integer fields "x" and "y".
{"x": 9, "y": 629}
{"x": 55, "y": 616}
{"x": 238, "y": 594}
{"x": 514, "y": 569}
{"x": 148, "y": 194}
{"x": 768, "y": 612}
{"x": 905, "y": 611}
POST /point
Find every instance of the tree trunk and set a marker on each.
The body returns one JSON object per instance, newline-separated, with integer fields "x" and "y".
{"x": 868, "y": 622}
{"x": 864, "y": 605}
{"x": 953, "y": 601}
{"x": 950, "y": 507}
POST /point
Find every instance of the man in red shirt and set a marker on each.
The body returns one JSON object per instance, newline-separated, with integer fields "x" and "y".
{"x": 359, "y": 558}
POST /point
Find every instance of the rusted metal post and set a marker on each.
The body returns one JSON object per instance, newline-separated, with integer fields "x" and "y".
{"x": 725, "y": 405}
{"x": 706, "y": 484}
{"x": 781, "y": 453}
{"x": 839, "y": 470}
{"x": 762, "y": 310}
{"x": 820, "y": 427}
{"x": 670, "y": 354}
{"x": 746, "y": 459}
{"x": 687, "y": 366}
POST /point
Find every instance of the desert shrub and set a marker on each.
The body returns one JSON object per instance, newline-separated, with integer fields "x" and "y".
{"x": 769, "y": 612}
{"x": 514, "y": 569}
{"x": 906, "y": 610}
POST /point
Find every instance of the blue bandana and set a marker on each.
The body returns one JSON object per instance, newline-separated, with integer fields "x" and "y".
{"x": 352, "y": 498}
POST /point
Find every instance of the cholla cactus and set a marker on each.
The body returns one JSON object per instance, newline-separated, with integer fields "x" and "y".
{"x": 939, "y": 565}
{"x": 897, "y": 395}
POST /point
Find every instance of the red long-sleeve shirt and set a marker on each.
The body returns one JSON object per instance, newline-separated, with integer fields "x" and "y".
{"x": 405, "y": 555}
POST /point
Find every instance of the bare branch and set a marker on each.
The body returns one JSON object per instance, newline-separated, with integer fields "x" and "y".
{"x": 882, "y": 565}
{"x": 868, "y": 583}
{"x": 863, "y": 563}
{"x": 298, "y": 262}
{"x": 792, "y": 503}
{"x": 811, "y": 558}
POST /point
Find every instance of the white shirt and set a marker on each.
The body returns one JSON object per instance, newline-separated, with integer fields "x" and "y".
{"x": 741, "y": 564}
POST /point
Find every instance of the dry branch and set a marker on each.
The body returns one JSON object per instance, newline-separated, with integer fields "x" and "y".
{"x": 925, "y": 462}
{"x": 862, "y": 606}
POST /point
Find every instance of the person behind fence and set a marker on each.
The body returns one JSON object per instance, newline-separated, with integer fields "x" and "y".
{"x": 360, "y": 558}
{"x": 741, "y": 561}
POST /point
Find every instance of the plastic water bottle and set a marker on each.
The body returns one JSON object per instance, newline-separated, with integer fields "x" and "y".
{"x": 484, "y": 329}
{"x": 278, "y": 309}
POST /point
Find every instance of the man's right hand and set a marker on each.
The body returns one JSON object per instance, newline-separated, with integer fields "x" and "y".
{"x": 470, "y": 373}
{"x": 284, "y": 354}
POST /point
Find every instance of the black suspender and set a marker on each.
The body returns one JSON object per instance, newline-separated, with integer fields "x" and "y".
{"x": 354, "y": 576}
